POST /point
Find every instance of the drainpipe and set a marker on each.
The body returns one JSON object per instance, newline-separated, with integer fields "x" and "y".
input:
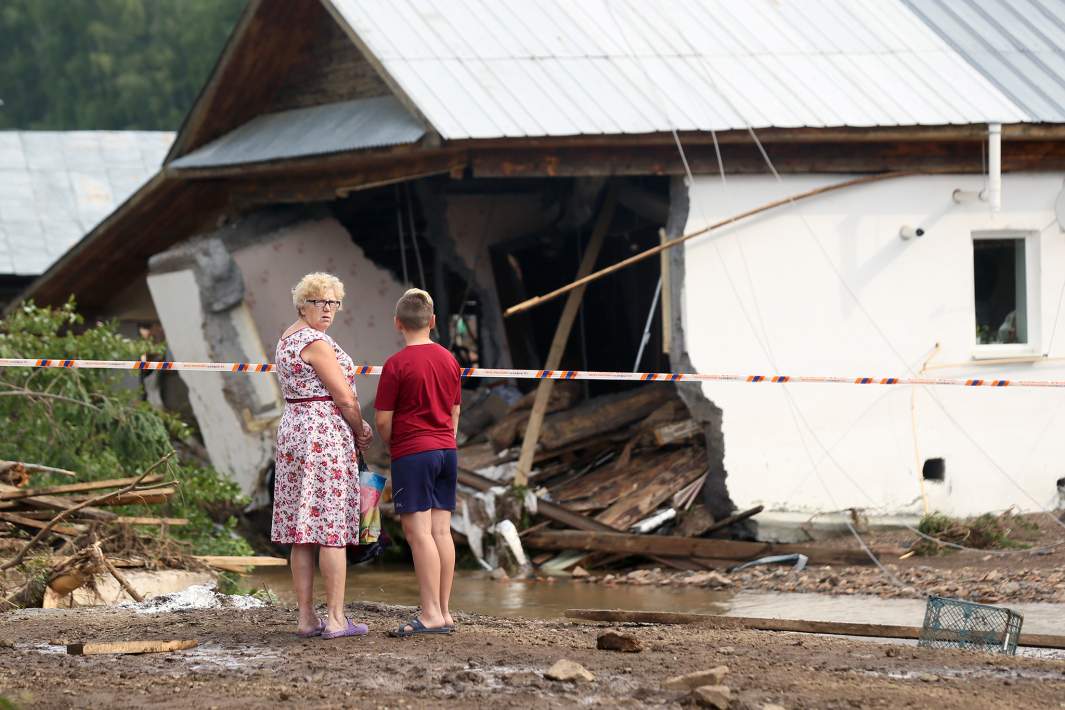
{"x": 994, "y": 166}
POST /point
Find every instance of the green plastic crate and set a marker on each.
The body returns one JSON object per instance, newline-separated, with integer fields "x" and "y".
{"x": 956, "y": 623}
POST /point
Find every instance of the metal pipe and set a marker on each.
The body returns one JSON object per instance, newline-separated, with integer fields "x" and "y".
{"x": 994, "y": 166}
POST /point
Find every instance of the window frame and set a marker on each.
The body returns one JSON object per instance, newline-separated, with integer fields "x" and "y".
{"x": 990, "y": 351}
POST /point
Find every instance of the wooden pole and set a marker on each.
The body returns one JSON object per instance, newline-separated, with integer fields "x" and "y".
{"x": 584, "y": 281}
{"x": 837, "y": 628}
{"x": 667, "y": 294}
{"x": 558, "y": 344}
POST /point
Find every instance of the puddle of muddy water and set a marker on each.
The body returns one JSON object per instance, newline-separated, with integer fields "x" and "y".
{"x": 478, "y": 592}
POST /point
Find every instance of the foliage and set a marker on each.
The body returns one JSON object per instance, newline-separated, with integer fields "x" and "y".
{"x": 93, "y": 422}
{"x": 107, "y": 64}
{"x": 984, "y": 532}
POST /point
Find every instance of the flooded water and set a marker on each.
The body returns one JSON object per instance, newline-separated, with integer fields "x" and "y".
{"x": 478, "y": 592}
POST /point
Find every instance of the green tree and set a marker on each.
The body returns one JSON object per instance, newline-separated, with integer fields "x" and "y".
{"x": 107, "y": 64}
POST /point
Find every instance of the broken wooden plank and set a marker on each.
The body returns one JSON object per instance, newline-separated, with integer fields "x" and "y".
{"x": 237, "y": 563}
{"x": 604, "y": 414}
{"x": 129, "y": 647}
{"x": 562, "y": 333}
{"x": 69, "y": 530}
{"x": 690, "y": 547}
{"x": 677, "y": 432}
{"x": 60, "y": 504}
{"x": 153, "y": 496}
{"x": 139, "y": 520}
{"x": 73, "y": 488}
{"x": 836, "y": 628}
{"x": 652, "y": 483}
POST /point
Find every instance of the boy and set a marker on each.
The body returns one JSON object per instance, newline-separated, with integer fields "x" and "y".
{"x": 418, "y": 400}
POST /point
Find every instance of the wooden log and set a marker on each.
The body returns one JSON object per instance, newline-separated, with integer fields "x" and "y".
{"x": 73, "y": 488}
{"x": 835, "y": 628}
{"x": 129, "y": 647}
{"x": 689, "y": 547}
{"x": 33, "y": 468}
{"x": 558, "y": 343}
{"x": 14, "y": 473}
{"x": 677, "y": 432}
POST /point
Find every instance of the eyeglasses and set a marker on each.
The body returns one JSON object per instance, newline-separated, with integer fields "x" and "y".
{"x": 333, "y": 305}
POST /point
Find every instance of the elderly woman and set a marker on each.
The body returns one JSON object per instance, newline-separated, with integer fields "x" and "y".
{"x": 316, "y": 488}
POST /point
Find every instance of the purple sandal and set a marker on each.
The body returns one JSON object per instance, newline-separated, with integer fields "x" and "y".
{"x": 312, "y": 632}
{"x": 352, "y": 630}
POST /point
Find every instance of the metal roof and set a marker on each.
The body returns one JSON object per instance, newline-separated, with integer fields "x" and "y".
{"x": 55, "y": 186}
{"x": 513, "y": 68}
{"x": 318, "y": 130}
{"x": 1018, "y": 44}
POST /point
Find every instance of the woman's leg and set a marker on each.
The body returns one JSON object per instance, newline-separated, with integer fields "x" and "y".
{"x": 333, "y": 562}
{"x": 301, "y": 561}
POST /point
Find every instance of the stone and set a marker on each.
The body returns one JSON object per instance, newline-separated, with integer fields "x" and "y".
{"x": 691, "y": 681}
{"x": 499, "y": 574}
{"x": 520, "y": 678}
{"x": 709, "y": 579}
{"x": 613, "y": 641}
{"x": 1011, "y": 587}
{"x": 773, "y": 706}
{"x": 579, "y": 572}
{"x": 713, "y": 696}
{"x": 568, "y": 671}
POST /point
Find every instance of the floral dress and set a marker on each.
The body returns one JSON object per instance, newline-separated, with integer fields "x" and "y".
{"x": 316, "y": 482}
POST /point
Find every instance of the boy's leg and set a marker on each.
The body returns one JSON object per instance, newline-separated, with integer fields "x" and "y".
{"x": 417, "y": 528}
{"x": 444, "y": 485}
{"x": 445, "y": 547}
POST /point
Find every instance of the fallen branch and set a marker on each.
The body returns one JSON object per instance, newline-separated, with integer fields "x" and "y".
{"x": 17, "y": 559}
{"x": 86, "y": 649}
{"x": 119, "y": 577}
{"x": 35, "y": 467}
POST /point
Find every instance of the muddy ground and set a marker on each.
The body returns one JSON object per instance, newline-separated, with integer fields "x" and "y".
{"x": 249, "y": 658}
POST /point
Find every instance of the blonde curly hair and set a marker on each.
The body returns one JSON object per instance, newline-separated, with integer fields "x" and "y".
{"x": 316, "y": 285}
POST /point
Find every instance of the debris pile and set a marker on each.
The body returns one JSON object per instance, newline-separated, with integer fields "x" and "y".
{"x": 613, "y": 477}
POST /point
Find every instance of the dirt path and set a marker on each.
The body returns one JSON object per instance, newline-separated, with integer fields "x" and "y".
{"x": 248, "y": 658}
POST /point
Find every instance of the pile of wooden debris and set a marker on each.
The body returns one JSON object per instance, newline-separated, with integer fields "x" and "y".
{"x": 68, "y": 536}
{"x": 613, "y": 477}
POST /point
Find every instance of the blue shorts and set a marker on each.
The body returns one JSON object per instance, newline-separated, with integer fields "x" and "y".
{"x": 425, "y": 481}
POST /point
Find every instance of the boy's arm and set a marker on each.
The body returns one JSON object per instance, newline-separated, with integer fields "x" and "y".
{"x": 454, "y": 419}
{"x": 384, "y": 426}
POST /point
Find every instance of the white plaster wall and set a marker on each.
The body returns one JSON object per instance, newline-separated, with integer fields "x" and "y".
{"x": 235, "y": 451}
{"x": 784, "y": 279}
{"x": 273, "y": 266}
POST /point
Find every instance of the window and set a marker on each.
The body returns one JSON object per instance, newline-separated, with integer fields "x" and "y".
{"x": 1003, "y": 292}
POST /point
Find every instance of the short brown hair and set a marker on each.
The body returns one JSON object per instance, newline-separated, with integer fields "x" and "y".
{"x": 414, "y": 309}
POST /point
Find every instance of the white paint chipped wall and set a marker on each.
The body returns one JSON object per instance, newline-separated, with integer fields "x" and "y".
{"x": 784, "y": 279}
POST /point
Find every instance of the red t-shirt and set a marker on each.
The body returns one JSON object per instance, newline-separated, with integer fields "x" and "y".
{"x": 420, "y": 384}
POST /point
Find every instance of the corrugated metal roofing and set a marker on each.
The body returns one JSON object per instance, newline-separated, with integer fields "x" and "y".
{"x": 56, "y": 186}
{"x": 513, "y": 68}
{"x": 318, "y": 130}
{"x": 1018, "y": 44}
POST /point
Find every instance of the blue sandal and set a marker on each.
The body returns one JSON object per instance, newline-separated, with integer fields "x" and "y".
{"x": 416, "y": 628}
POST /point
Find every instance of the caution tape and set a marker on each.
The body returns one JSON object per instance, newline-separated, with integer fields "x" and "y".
{"x": 370, "y": 370}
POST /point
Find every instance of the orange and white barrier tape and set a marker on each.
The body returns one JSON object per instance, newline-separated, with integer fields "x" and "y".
{"x": 370, "y": 370}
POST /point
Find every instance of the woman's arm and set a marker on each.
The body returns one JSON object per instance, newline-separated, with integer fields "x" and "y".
{"x": 323, "y": 359}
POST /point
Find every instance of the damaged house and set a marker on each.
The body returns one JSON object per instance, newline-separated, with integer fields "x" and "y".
{"x": 484, "y": 149}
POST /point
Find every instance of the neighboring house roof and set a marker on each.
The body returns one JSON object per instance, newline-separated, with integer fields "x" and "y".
{"x": 56, "y": 186}
{"x": 1018, "y": 44}
{"x": 510, "y": 68}
{"x": 318, "y": 130}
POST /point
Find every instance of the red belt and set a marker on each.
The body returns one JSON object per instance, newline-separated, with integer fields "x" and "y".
{"x": 301, "y": 400}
